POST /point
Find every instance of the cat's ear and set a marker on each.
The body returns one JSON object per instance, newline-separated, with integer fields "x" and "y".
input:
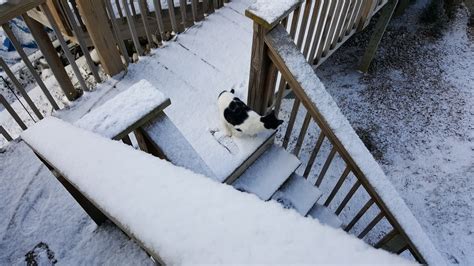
{"x": 232, "y": 91}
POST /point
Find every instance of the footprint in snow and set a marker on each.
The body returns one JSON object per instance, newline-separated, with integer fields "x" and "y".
{"x": 225, "y": 141}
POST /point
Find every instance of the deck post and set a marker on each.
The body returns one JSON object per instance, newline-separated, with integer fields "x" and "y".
{"x": 95, "y": 18}
{"x": 374, "y": 42}
{"x": 259, "y": 67}
{"x": 51, "y": 56}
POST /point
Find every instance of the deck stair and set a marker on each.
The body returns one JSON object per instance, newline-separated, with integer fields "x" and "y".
{"x": 325, "y": 216}
{"x": 298, "y": 193}
{"x": 268, "y": 173}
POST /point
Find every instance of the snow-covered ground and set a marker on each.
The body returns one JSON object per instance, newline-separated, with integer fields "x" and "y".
{"x": 414, "y": 111}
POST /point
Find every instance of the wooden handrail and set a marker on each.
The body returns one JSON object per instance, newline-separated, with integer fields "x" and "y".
{"x": 309, "y": 90}
{"x": 269, "y": 13}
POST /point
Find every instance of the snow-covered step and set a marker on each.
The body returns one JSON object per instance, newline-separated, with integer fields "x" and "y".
{"x": 325, "y": 216}
{"x": 268, "y": 173}
{"x": 176, "y": 148}
{"x": 298, "y": 193}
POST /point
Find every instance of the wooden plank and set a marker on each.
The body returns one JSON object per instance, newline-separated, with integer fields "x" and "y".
{"x": 26, "y": 61}
{"x": 20, "y": 88}
{"x": 117, "y": 33}
{"x": 337, "y": 186}
{"x": 79, "y": 33}
{"x": 380, "y": 28}
{"x": 56, "y": 12}
{"x": 132, "y": 28}
{"x": 96, "y": 20}
{"x": 5, "y": 134}
{"x": 12, "y": 112}
{"x": 65, "y": 47}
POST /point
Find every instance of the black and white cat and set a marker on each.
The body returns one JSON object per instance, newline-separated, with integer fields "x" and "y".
{"x": 239, "y": 120}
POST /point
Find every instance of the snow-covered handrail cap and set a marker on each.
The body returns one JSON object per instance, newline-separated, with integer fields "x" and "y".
{"x": 269, "y": 13}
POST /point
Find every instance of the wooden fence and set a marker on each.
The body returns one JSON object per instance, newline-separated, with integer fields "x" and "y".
{"x": 280, "y": 51}
{"x": 116, "y": 29}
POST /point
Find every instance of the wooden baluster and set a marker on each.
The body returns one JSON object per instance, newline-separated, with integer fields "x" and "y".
{"x": 174, "y": 23}
{"x": 182, "y": 10}
{"x": 304, "y": 23}
{"x": 12, "y": 112}
{"x": 5, "y": 134}
{"x": 132, "y": 7}
{"x": 352, "y": 22}
{"x": 338, "y": 185}
{"x": 361, "y": 212}
{"x": 279, "y": 98}
{"x": 64, "y": 46}
{"x": 326, "y": 166}
{"x": 314, "y": 153}
{"x": 79, "y": 33}
{"x": 304, "y": 128}
{"x": 371, "y": 225}
{"x": 325, "y": 30}
{"x": 159, "y": 19}
{"x": 97, "y": 22}
{"x": 118, "y": 35}
{"x": 294, "y": 22}
{"x": 20, "y": 89}
{"x": 144, "y": 15}
{"x": 386, "y": 238}
{"x": 318, "y": 37}
{"x": 312, "y": 24}
{"x": 194, "y": 10}
{"x": 119, "y": 8}
{"x": 291, "y": 122}
{"x": 340, "y": 23}
{"x": 205, "y": 7}
{"x": 27, "y": 62}
{"x": 212, "y": 7}
{"x": 270, "y": 87}
{"x": 348, "y": 197}
{"x": 332, "y": 29}
{"x": 132, "y": 28}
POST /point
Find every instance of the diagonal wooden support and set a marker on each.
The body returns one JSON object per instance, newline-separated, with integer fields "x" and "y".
{"x": 374, "y": 42}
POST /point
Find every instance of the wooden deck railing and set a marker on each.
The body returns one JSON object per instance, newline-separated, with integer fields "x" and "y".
{"x": 116, "y": 29}
{"x": 275, "y": 53}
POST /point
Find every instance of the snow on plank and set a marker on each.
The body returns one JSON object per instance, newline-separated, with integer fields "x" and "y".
{"x": 284, "y": 48}
{"x": 185, "y": 217}
{"x": 270, "y": 12}
{"x": 125, "y": 111}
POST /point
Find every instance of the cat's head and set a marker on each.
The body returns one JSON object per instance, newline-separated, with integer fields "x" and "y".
{"x": 232, "y": 91}
{"x": 270, "y": 121}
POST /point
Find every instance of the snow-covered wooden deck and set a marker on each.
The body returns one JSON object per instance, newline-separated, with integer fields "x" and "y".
{"x": 192, "y": 70}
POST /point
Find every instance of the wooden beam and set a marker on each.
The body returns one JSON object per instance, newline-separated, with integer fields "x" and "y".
{"x": 374, "y": 42}
{"x": 97, "y": 23}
